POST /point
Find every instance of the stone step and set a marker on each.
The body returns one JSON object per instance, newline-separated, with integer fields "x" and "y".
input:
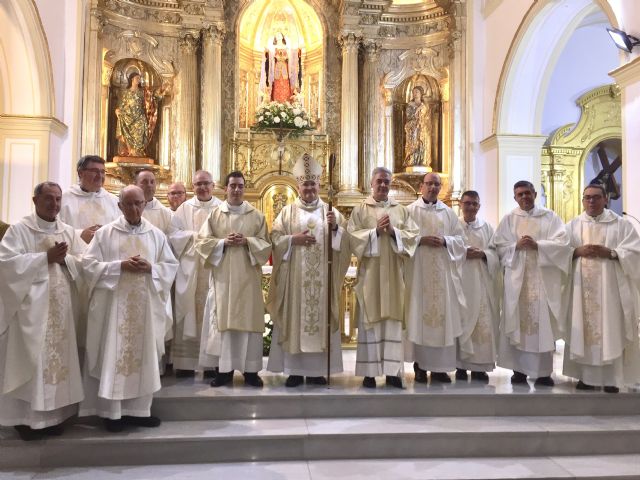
{"x": 204, "y": 403}
{"x": 300, "y": 439}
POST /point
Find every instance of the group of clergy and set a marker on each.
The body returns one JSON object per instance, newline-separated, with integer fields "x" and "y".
{"x": 100, "y": 293}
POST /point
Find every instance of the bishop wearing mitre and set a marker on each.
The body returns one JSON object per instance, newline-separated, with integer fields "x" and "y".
{"x": 302, "y": 235}
{"x": 129, "y": 269}
{"x": 39, "y": 368}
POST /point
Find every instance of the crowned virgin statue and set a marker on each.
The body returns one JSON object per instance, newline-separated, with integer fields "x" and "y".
{"x": 417, "y": 152}
{"x": 281, "y": 74}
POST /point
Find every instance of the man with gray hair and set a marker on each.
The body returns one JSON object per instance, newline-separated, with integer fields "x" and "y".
{"x": 39, "y": 367}
{"x": 192, "y": 281}
{"x": 383, "y": 236}
{"x": 87, "y": 206}
{"x": 129, "y": 268}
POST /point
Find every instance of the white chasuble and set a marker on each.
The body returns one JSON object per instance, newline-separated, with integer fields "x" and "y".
{"x": 234, "y": 312}
{"x": 380, "y": 286}
{"x": 533, "y": 279}
{"x": 127, "y": 316}
{"x": 39, "y": 366}
{"x": 192, "y": 281}
{"x": 298, "y": 291}
{"x": 158, "y": 215}
{"x": 434, "y": 295}
{"x": 481, "y": 280}
{"x": 82, "y": 209}
{"x": 602, "y": 337}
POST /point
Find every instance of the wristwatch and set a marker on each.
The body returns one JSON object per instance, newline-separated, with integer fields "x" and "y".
{"x": 613, "y": 255}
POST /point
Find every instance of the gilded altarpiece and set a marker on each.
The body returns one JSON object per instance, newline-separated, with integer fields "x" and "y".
{"x": 564, "y": 155}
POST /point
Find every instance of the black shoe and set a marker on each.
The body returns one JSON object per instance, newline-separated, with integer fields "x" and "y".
{"x": 113, "y": 426}
{"x": 210, "y": 373}
{"x": 421, "y": 375}
{"x": 316, "y": 380}
{"x": 544, "y": 382}
{"x": 27, "y": 433}
{"x": 460, "y": 374}
{"x": 441, "y": 377}
{"x": 53, "y": 430}
{"x": 252, "y": 379}
{"x": 185, "y": 373}
{"x": 223, "y": 378}
{"x": 393, "y": 381}
{"x": 294, "y": 381}
{"x": 369, "y": 382}
{"x": 518, "y": 378}
{"x": 149, "y": 422}
{"x": 480, "y": 376}
{"x": 583, "y": 386}
{"x": 611, "y": 389}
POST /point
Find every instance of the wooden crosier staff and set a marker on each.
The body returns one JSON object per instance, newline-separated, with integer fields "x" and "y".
{"x": 332, "y": 161}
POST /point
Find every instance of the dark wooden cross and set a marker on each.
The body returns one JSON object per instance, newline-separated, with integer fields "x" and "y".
{"x": 606, "y": 176}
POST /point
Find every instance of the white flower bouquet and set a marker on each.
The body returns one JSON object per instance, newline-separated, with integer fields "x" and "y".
{"x": 282, "y": 115}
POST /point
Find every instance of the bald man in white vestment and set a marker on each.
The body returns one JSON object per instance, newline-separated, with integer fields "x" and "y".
{"x": 129, "y": 268}
{"x": 39, "y": 366}
{"x": 383, "y": 237}
{"x": 192, "y": 280}
{"x": 434, "y": 297}
{"x": 302, "y": 234}
{"x": 481, "y": 280}
{"x": 235, "y": 243}
{"x": 154, "y": 211}
{"x": 534, "y": 250}
{"x": 601, "y": 347}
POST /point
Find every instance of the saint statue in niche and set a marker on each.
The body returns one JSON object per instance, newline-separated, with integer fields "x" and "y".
{"x": 417, "y": 151}
{"x": 281, "y": 74}
{"x": 136, "y": 117}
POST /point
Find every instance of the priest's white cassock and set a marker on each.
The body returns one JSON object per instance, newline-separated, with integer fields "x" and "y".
{"x": 192, "y": 281}
{"x": 481, "y": 282}
{"x": 127, "y": 319}
{"x": 39, "y": 366}
{"x": 601, "y": 347}
{"x": 532, "y": 314}
{"x": 434, "y": 297}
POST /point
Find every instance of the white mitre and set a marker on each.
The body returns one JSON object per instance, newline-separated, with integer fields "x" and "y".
{"x": 307, "y": 168}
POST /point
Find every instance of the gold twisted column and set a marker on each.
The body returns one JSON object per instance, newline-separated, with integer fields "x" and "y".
{"x": 349, "y": 116}
{"x": 187, "y": 121}
{"x": 373, "y": 113}
{"x": 211, "y": 103}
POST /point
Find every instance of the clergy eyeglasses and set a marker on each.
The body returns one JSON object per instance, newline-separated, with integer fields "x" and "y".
{"x": 95, "y": 171}
{"x": 202, "y": 184}
{"x": 592, "y": 198}
{"x": 432, "y": 184}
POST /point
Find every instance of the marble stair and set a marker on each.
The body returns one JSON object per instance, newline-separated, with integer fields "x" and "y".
{"x": 203, "y": 425}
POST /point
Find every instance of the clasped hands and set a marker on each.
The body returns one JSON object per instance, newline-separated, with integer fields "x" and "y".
{"x": 592, "y": 251}
{"x": 57, "y": 253}
{"x": 135, "y": 264}
{"x": 235, "y": 240}
{"x": 475, "y": 253}
{"x": 526, "y": 243}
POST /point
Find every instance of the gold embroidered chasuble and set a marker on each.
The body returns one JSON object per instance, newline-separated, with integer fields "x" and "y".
{"x": 381, "y": 260}
{"x": 82, "y": 209}
{"x": 41, "y": 364}
{"x": 434, "y": 295}
{"x": 533, "y": 305}
{"x": 235, "y": 300}
{"x": 297, "y": 298}
{"x": 603, "y": 306}
{"x": 127, "y": 315}
{"x": 481, "y": 282}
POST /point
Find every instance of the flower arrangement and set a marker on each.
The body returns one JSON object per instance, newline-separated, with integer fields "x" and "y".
{"x": 282, "y": 115}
